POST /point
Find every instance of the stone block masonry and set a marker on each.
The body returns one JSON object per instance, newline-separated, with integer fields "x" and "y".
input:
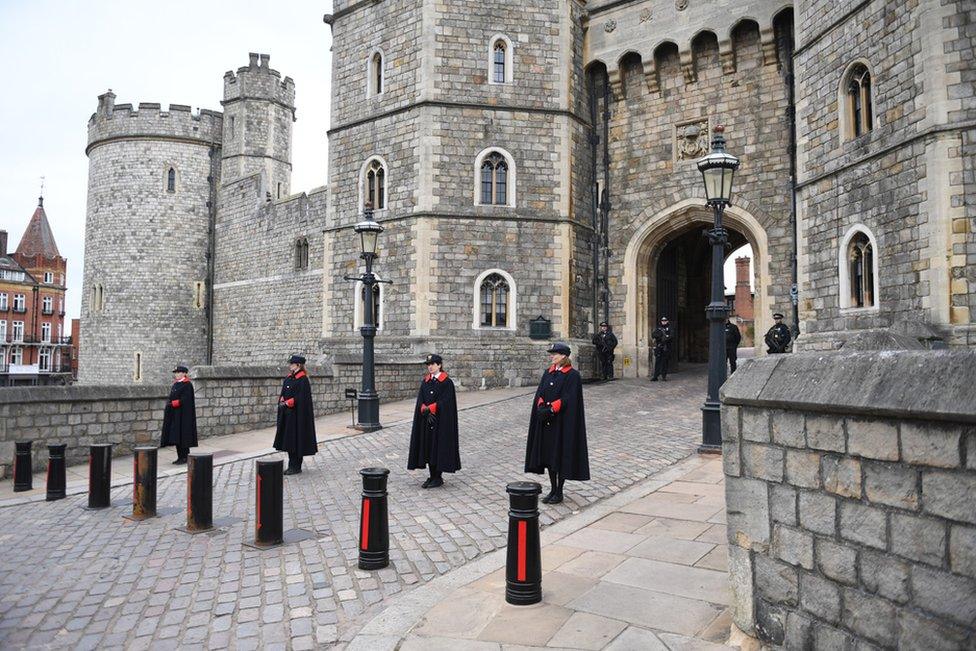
{"x": 851, "y": 490}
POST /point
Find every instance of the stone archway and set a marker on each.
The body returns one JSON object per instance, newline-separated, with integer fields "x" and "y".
{"x": 640, "y": 263}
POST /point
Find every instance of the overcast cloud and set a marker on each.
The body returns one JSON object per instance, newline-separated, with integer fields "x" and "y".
{"x": 60, "y": 55}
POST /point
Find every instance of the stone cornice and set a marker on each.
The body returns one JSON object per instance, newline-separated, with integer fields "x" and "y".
{"x": 501, "y": 217}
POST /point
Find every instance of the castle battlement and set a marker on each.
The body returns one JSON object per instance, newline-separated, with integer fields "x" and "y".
{"x": 113, "y": 121}
{"x": 258, "y": 80}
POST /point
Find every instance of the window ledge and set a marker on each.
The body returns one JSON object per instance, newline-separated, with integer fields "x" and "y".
{"x": 495, "y": 328}
{"x": 854, "y": 311}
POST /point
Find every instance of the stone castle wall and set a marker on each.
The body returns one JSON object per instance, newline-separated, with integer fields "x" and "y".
{"x": 904, "y": 181}
{"x": 851, "y": 497}
{"x": 146, "y": 247}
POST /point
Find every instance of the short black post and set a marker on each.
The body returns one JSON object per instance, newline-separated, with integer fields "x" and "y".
{"x": 268, "y": 522}
{"x": 56, "y": 473}
{"x": 23, "y": 471}
{"x": 523, "y": 573}
{"x": 100, "y": 476}
{"x": 374, "y": 522}
{"x": 144, "y": 483}
{"x": 199, "y": 492}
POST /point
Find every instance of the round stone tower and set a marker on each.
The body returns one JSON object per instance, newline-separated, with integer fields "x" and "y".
{"x": 152, "y": 180}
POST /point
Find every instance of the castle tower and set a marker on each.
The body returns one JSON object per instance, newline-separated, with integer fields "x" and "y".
{"x": 151, "y": 204}
{"x": 259, "y": 109}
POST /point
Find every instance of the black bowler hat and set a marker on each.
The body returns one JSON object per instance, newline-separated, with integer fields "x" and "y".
{"x": 434, "y": 359}
{"x": 560, "y": 348}
{"x": 604, "y": 324}
{"x": 777, "y": 316}
{"x": 181, "y": 369}
{"x": 296, "y": 359}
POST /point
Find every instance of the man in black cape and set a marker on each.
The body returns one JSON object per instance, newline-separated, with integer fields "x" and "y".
{"x": 605, "y": 341}
{"x": 732, "y": 339}
{"x": 778, "y": 337}
{"x": 434, "y": 437}
{"x": 296, "y": 420}
{"x": 663, "y": 335}
{"x": 180, "y": 416}
{"x": 557, "y": 426}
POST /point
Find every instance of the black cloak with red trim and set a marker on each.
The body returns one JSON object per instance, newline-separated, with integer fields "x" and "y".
{"x": 560, "y": 444}
{"x": 296, "y": 420}
{"x": 435, "y": 445}
{"x": 180, "y": 417}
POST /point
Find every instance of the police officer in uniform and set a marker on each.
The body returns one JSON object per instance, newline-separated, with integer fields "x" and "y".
{"x": 180, "y": 416}
{"x": 605, "y": 341}
{"x": 557, "y": 426}
{"x": 296, "y": 420}
{"x": 732, "y": 339}
{"x": 434, "y": 437}
{"x": 663, "y": 335}
{"x": 778, "y": 337}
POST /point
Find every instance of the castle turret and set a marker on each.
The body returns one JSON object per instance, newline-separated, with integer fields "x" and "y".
{"x": 151, "y": 195}
{"x": 259, "y": 109}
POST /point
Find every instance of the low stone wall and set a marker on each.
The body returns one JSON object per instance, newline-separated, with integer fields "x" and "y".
{"x": 229, "y": 400}
{"x": 851, "y": 495}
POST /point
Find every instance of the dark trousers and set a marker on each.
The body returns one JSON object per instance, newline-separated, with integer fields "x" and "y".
{"x": 606, "y": 366}
{"x": 733, "y": 357}
{"x": 294, "y": 461}
{"x": 182, "y": 452}
{"x": 661, "y": 363}
{"x": 434, "y": 472}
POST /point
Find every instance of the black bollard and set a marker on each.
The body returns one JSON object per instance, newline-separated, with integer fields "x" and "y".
{"x": 100, "y": 476}
{"x": 523, "y": 574}
{"x": 199, "y": 493}
{"x": 374, "y": 523}
{"x": 144, "y": 483}
{"x": 56, "y": 476}
{"x": 23, "y": 471}
{"x": 268, "y": 521}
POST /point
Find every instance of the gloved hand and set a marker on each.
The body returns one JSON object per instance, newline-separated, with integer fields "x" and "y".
{"x": 431, "y": 419}
{"x": 545, "y": 413}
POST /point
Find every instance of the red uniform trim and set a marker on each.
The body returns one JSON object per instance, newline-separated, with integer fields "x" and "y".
{"x": 441, "y": 376}
{"x": 562, "y": 369}
{"x": 520, "y": 572}
{"x": 538, "y": 403}
{"x": 426, "y": 377}
{"x": 174, "y": 403}
{"x": 184, "y": 379}
{"x": 433, "y": 408}
{"x": 290, "y": 402}
{"x": 364, "y": 535}
{"x": 300, "y": 375}
{"x": 556, "y": 405}
{"x": 423, "y": 408}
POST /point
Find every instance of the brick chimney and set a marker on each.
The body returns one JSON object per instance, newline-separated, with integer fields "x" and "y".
{"x": 3, "y": 242}
{"x": 743, "y": 292}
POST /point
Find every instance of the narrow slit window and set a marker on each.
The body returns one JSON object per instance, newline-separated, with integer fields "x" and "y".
{"x": 171, "y": 180}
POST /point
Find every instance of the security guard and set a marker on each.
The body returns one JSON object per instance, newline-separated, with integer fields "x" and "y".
{"x": 180, "y": 416}
{"x": 663, "y": 335}
{"x": 434, "y": 437}
{"x": 778, "y": 337}
{"x": 296, "y": 420}
{"x": 605, "y": 341}
{"x": 732, "y": 339}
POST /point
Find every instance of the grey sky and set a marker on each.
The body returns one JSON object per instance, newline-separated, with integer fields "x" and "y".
{"x": 60, "y": 55}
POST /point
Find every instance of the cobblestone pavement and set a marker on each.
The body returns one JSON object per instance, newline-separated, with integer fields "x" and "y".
{"x": 70, "y": 577}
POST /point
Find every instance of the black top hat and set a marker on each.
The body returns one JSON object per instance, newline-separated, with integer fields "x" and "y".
{"x": 181, "y": 369}
{"x": 560, "y": 348}
{"x": 296, "y": 359}
{"x": 777, "y": 316}
{"x": 434, "y": 359}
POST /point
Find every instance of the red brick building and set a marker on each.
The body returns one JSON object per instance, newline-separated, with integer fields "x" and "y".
{"x": 34, "y": 346}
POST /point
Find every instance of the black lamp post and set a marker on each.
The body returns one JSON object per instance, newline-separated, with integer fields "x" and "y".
{"x": 369, "y": 400}
{"x": 718, "y": 171}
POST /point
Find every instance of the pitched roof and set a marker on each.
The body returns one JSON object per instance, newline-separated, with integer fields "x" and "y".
{"x": 38, "y": 238}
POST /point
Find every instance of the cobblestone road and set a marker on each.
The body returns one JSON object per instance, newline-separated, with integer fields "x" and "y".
{"x": 90, "y": 579}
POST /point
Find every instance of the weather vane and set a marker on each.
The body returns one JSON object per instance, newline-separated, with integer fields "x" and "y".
{"x": 42, "y": 187}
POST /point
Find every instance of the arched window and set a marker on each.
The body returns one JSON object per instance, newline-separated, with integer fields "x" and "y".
{"x": 857, "y": 100}
{"x": 171, "y": 180}
{"x": 359, "y": 312}
{"x": 301, "y": 253}
{"x": 494, "y": 180}
{"x": 375, "y": 81}
{"x": 500, "y": 60}
{"x": 494, "y": 300}
{"x": 858, "y": 269}
{"x": 374, "y": 184}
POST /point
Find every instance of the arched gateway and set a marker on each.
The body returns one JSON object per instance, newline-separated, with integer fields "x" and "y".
{"x": 666, "y": 268}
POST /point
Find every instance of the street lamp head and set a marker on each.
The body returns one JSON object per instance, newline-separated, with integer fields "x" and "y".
{"x": 718, "y": 170}
{"x": 368, "y": 231}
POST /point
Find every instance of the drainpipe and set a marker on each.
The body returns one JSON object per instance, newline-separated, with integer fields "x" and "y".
{"x": 605, "y": 200}
{"x": 786, "y": 47}
{"x": 211, "y": 246}
{"x": 594, "y": 141}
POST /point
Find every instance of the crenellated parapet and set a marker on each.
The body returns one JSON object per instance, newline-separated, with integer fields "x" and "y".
{"x": 258, "y": 80}
{"x": 621, "y": 34}
{"x": 112, "y": 122}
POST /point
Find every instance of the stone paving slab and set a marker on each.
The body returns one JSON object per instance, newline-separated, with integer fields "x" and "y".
{"x": 73, "y": 578}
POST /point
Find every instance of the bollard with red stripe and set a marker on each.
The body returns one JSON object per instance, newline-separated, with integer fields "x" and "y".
{"x": 23, "y": 471}
{"x": 374, "y": 524}
{"x": 523, "y": 574}
{"x": 56, "y": 472}
{"x": 269, "y": 519}
{"x": 144, "y": 483}
{"x": 100, "y": 476}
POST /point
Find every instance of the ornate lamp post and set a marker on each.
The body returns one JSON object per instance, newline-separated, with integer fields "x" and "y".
{"x": 718, "y": 171}
{"x": 369, "y": 400}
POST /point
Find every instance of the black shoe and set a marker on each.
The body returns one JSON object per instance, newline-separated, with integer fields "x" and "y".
{"x": 292, "y": 471}
{"x": 654, "y": 379}
{"x": 427, "y": 482}
{"x": 547, "y": 498}
{"x": 436, "y": 483}
{"x": 665, "y": 379}
{"x": 180, "y": 461}
{"x": 556, "y": 499}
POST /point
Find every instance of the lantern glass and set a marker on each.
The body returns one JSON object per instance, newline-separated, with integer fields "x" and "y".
{"x": 718, "y": 173}
{"x": 369, "y": 233}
